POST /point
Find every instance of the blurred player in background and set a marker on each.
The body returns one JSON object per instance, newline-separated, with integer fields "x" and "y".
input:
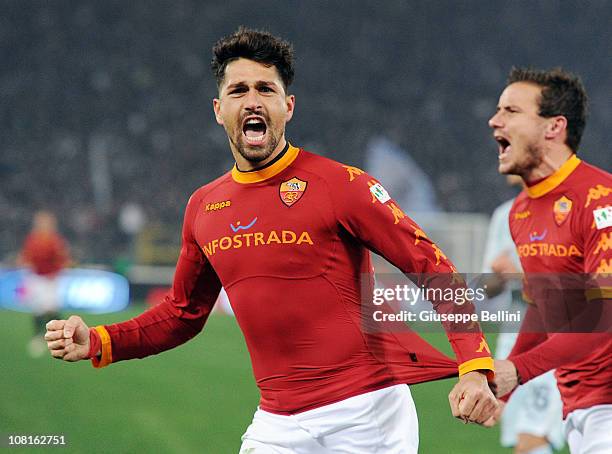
{"x": 562, "y": 224}
{"x": 46, "y": 254}
{"x": 285, "y": 233}
{"x": 531, "y": 421}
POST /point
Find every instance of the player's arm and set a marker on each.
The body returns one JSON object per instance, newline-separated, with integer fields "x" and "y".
{"x": 177, "y": 319}
{"x": 367, "y": 212}
{"x": 532, "y": 334}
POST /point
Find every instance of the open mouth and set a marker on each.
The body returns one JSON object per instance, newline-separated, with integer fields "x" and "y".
{"x": 503, "y": 146}
{"x": 254, "y": 130}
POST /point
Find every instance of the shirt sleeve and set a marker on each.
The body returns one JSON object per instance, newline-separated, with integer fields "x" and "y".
{"x": 532, "y": 334}
{"x": 368, "y": 213}
{"x": 595, "y": 227}
{"x": 535, "y": 352}
{"x": 560, "y": 349}
{"x": 180, "y": 317}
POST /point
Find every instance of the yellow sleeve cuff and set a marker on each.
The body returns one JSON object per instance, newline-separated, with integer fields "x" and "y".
{"x": 107, "y": 351}
{"x": 527, "y": 298}
{"x": 485, "y": 363}
{"x": 601, "y": 293}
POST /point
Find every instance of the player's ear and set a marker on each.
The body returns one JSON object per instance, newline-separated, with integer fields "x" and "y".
{"x": 217, "y": 110}
{"x": 556, "y": 127}
{"x": 290, "y": 103}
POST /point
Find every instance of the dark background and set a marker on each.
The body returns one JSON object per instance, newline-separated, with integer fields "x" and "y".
{"x": 134, "y": 77}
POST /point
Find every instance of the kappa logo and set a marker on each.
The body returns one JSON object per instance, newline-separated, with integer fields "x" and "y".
{"x": 215, "y": 206}
{"x": 561, "y": 209}
{"x": 397, "y": 212}
{"x": 483, "y": 346}
{"x": 533, "y": 236}
{"x": 438, "y": 252}
{"x": 605, "y": 243}
{"x": 418, "y": 234}
{"x": 522, "y": 215}
{"x": 292, "y": 190}
{"x": 605, "y": 267}
{"x": 597, "y": 193}
{"x": 353, "y": 172}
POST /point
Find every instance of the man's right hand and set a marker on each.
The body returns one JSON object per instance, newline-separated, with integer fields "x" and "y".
{"x": 68, "y": 339}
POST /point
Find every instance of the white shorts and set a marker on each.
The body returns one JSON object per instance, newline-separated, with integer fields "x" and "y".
{"x": 589, "y": 431}
{"x": 534, "y": 408}
{"x": 42, "y": 293}
{"x": 382, "y": 421}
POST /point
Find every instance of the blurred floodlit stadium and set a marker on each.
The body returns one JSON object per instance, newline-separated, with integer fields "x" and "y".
{"x": 106, "y": 119}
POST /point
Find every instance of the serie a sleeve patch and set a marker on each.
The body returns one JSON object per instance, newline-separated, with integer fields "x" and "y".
{"x": 603, "y": 217}
{"x": 380, "y": 193}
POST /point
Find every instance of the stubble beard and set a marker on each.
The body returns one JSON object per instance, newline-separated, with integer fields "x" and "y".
{"x": 534, "y": 156}
{"x": 255, "y": 154}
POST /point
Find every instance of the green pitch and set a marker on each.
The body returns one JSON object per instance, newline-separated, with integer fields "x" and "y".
{"x": 198, "y": 398}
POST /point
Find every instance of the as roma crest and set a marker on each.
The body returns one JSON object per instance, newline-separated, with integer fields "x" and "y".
{"x": 292, "y": 190}
{"x": 561, "y": 209}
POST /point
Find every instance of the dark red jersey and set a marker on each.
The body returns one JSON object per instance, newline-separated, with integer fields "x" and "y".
{"x": 46, "y": 252}
{"x": 562, "y": 227}
{"x": 289, "y": 243}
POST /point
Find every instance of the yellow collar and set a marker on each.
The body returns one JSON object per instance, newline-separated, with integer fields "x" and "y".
{"x": 554, "y": 180}
{"x": 268, "y": 172}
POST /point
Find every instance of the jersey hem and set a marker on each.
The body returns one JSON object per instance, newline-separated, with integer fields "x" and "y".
{"x": 332, "y": 401}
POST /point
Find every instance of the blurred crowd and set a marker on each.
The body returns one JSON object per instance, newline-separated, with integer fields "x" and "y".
{"x": 106, "y": 106}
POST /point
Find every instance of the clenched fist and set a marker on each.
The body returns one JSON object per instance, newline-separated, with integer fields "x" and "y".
{"x": 471, "y": 400}
{"x": 68, "y": 339}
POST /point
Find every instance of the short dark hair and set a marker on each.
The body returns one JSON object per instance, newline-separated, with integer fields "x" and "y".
{"x": 260, "y": 46}
{"x": 562, "y": 94}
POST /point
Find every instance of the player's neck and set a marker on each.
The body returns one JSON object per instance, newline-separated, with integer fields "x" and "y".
{"x": 551, "y": 162}
{"x": 244, "y": 165}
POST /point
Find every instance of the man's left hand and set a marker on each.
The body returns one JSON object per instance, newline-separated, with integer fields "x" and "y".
{"x": 471, "y": 400}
